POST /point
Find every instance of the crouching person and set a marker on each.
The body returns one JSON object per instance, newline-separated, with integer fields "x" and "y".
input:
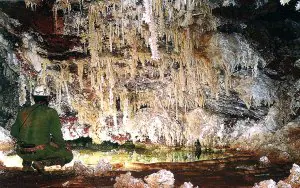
{"x": 39, "y": 137}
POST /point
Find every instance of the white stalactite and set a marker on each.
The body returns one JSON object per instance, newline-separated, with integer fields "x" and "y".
{"x": 149, "y": 19}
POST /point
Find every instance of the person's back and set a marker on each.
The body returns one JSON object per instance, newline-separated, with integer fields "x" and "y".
{"x": 38, "y": 132}
{"x": 35, "y": 127}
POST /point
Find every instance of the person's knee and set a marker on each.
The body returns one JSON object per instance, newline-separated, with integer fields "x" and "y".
{"x": 69, "y": 157}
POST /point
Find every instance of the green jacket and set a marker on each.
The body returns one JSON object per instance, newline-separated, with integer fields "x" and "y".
{"x": 35, "y": 124}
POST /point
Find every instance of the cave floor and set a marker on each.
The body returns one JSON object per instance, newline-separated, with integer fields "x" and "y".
{"x": 233, "y": 171}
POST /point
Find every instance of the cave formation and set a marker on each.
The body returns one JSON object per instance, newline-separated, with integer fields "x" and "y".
{"x": 206, "y": 89}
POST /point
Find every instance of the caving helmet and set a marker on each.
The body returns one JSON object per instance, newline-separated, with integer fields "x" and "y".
{"x": 41, "y": 90}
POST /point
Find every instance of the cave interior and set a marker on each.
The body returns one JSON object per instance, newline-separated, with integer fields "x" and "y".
{"x": 157, "y": 93}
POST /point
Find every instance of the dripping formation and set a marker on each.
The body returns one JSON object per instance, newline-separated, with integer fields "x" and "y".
{"x": 171, "y": 45}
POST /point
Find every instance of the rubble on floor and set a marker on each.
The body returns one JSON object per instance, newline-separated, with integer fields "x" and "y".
{"x": 292, "y": 181}
{"x": 264, "y": 160}
{"x": 163, "y": 178}
{"x": 102, "y": 167}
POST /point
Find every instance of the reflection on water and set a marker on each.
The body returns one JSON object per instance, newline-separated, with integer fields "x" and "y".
{"x": 92, "y": 157}
{"x": 234, "y": 170}
{"x": 198, "y": 154}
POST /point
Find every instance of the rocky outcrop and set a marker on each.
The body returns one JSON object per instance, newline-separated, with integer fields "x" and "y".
{"x": 9, "y": 76}
{"x": 292, "y": 181}
{"x": 162, "y": 178}
{"x": 6, "y": 141}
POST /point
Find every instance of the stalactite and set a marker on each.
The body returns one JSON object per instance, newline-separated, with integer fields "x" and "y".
{"x": 80, "y": 67}
{"x": 111, "y": 81}
{"x": 132, "y": 65}
{"x": 54, "y": 10}
{"x": 43, "y": 73}
{"x": 149, "y": 19}
{"x": 31, "y": 4}
{"x": 22, "y": 90}
{"x": 101, "y": 92}
{"x": 110, "y": 37}
{"x": 118, "y": 42}
{"x": 92, "y": 77}
{"x": 176, "y": 100}
{"x": 124, "y": 102}
{"x": 67, "y": 92}
{"x": 58, "y": 88}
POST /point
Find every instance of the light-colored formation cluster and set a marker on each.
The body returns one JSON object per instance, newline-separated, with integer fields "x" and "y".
{"x": 162, "y": 178}
{"x": 292, "y": 181}
{"x": 102, "y": 167}
{"x": 171, "y": 77}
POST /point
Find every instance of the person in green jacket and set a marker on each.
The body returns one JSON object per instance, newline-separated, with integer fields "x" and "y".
{"x": 38, "y": 132}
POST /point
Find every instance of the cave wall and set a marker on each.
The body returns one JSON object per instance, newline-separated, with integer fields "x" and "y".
{"x": 9, "y": 92}
{"x": 222, "y": 72}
